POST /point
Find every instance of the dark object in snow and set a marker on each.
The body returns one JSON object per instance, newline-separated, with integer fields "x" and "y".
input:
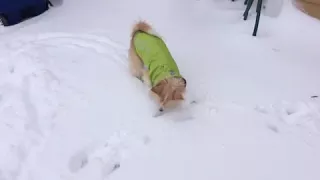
{"x": 3, "y": 21}
{"x": 273, "y": 128}
{"x": 258, "y": 10}
{"x": 193, "y": 102}
{"x": 314, "y": 96}
{"x": 15, "y": 11}
{"x": 116, "y": 166}
{"x": 271, "y": 8}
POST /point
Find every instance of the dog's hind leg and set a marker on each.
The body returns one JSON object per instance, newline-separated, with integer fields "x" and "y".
{"x": 135, "y": 65}
{"x": 145, "y": 78}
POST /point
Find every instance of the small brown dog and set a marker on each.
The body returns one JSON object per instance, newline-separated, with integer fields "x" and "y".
{"x": 151, "y": 62}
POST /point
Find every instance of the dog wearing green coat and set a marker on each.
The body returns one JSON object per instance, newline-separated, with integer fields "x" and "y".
{"x": 151, "y": 61}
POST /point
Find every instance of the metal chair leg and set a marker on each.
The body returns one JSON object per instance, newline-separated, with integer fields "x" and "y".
{"x": 246, "y": 12}
{"x": 258, "y": 10}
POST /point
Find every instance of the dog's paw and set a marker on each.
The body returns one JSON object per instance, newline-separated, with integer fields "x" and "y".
{"x": 158, "y": 113}
{"x": 139, "y": 78}
{"x": 193, "y": 102}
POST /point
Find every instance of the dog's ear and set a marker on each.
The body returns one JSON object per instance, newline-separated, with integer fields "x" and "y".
{"x": 178, "y": 95}
{"x": 184, "y": 82}
{"x": 179, "y": 91}
{"x": 158, "y": 89}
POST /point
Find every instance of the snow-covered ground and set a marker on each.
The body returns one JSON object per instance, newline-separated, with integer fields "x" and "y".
{"x": 70, "y": 110}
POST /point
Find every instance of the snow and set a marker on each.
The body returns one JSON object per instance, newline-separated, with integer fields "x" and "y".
{"x": 70, "y": 110}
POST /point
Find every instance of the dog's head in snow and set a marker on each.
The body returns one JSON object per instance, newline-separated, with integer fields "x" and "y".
{"x": 170, "y": 92}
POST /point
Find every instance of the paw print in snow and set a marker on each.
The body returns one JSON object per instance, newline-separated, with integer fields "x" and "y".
{"x": 305, "y": 114}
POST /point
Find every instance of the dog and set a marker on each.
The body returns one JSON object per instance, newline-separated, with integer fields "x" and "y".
{"x": 152, "y": 63}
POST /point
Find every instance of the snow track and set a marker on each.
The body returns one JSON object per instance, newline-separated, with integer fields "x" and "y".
{"x": 33, "y": 88}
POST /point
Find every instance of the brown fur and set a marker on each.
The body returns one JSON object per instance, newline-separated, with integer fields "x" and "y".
{"x": 168, "y": 92}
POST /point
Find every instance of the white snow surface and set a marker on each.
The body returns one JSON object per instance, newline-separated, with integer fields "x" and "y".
{"x": 69, "y": 109}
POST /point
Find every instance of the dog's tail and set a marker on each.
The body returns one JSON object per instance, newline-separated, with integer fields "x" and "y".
{"x": 144, "y": 27}
{"x": 140, "y": 26}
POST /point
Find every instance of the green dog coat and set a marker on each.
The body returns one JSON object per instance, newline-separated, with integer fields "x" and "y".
{"x": 156, "y": 57}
